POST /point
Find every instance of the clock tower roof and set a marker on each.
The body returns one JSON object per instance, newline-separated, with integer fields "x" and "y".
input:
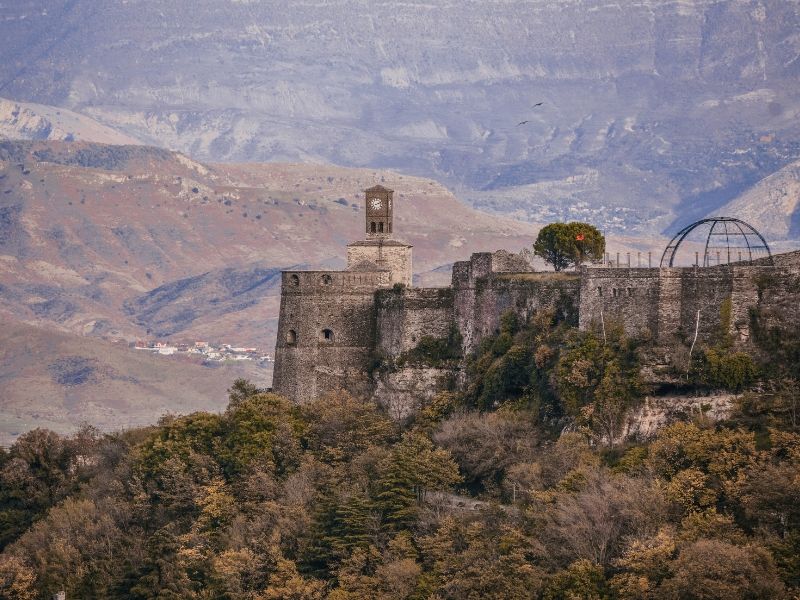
{"x": 378, "y": 188}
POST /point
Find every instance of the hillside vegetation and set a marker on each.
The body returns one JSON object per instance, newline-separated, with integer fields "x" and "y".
{"x": 483, "y": 494}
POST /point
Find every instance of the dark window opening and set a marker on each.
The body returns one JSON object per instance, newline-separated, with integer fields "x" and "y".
{"x": 380, "y": 227}
{"x": 599, "y": 291}
{"x": 372, "y": 227}
{"x": 294, "y": 281}
{"x": 291, "y": 337}
{"x": 326, "y": 280}
{"x": 327, "y": 335}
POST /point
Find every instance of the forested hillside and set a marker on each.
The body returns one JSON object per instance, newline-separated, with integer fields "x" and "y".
{"x": 514, "y": 488}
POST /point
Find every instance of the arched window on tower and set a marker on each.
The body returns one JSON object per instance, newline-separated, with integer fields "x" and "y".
{"x": 326, "y": 279}
{"x": 380, "y": 227}
{"x": 291, "y": 337}
{"x": 294, "y": 280}
{"x": 326, "y": 336}
{"x": 372, "y": 227}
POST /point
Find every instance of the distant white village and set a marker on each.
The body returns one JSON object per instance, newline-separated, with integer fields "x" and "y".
{"x": 206, "y": 350}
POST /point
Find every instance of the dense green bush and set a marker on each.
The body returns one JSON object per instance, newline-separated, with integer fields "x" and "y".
{"x": 718, "y": 368}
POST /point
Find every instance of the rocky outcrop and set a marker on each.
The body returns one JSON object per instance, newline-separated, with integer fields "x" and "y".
{"x": 405, "y": 391}
{"x": 658, "y": 412}
{"x": 28, "y": 121}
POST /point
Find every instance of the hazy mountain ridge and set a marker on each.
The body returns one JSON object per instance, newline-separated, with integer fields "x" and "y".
{"x": 773, "y": 204}
{"x": 652, "y": 111}
{"x": 27, "y": 121}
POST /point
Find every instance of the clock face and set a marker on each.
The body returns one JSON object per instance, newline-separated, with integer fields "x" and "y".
{"x": 376, "y": 203}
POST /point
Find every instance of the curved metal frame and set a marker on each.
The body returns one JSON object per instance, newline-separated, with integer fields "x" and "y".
{"x": 677, "y": 240}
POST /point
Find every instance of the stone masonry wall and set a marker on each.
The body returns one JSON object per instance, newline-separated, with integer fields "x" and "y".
{"x": 406, "y": 315}
{"x": 778, "y": 298}
{"x": 665, "y": 302}
{"x": 482, "y": 295}
{"x": 306, "y": 363}
{"x": 627, "y": 296}
{"x": 390, "y": 255}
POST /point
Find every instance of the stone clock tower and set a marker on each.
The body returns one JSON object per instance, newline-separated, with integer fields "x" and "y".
{"x": 379, "y": 252}
{"x": 379, "y": 212}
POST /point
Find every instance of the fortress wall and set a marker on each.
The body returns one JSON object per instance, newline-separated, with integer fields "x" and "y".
{"x": 661, "y": 302}
{"x": 665, "y": 301}
{"x": 482, "y": 297}
{"x": 703, "y": 290}
{"x": 308, "y": 365}
{"x": 404, "y": 316}
{"x": 778, "y": 296}
{"x": 626, "y": 296}
{"x": 744, "y": 296}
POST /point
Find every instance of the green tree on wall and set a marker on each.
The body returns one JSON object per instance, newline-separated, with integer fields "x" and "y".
{"x": 566, "y": 244}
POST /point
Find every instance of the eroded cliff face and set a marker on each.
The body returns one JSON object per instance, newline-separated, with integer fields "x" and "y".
{"x": 655, "y": 413}
{"x": 406, "y": 391}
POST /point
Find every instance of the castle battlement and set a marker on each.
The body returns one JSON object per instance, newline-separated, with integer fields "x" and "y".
{"x": 315, "y": 283}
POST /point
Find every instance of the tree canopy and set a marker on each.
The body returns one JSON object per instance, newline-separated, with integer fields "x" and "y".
{"x": 517, "y": 486}
{"x": 569, "y": 244}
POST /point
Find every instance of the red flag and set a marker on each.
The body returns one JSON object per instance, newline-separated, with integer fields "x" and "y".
{"x": 579, "y": 237}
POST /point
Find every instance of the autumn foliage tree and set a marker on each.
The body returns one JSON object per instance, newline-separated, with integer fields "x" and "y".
{"x": 498, "y": 490}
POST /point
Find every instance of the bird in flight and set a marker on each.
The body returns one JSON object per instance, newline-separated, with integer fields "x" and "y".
{"x": 522, "y": 123}
{"x": 538, "y": 104}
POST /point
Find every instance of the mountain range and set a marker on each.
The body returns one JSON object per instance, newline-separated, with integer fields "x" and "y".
{"x": 652, "y": 113}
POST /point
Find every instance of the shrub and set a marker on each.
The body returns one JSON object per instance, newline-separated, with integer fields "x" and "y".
{"x": 720, "y": 369}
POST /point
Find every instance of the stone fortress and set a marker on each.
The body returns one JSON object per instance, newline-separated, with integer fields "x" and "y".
{"x": 335, "y": 327}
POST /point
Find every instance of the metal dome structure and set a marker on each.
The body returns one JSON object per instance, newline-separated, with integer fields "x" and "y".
{"x": 728, "y": 240}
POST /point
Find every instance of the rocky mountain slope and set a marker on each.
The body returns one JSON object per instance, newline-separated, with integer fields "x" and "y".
{"x": 653, "y": 112}
{"x": 28, "y": 121}
{"x": 772, "y": 205}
